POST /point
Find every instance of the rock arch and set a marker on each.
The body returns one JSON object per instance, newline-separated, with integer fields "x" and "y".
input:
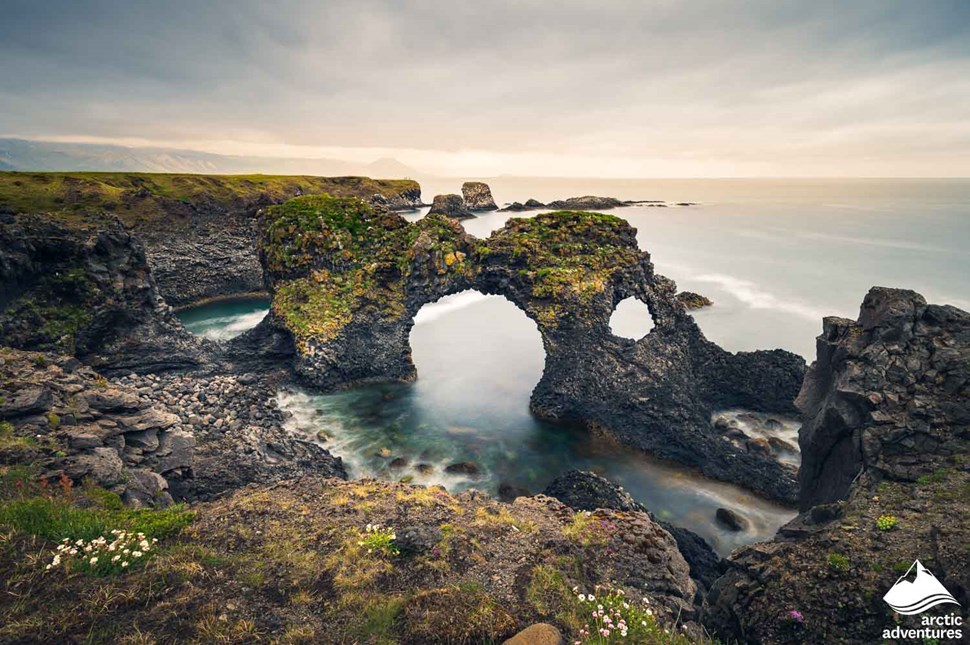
{"x": 347, "y": 279}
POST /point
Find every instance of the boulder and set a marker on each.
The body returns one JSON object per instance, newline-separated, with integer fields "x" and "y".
{"x": 537, "y": 634}
{"x": 477, "y": 196}
{"x": 33, "y": 399}
{"x": 102, "y": 465}
{"x": 731, "y": 520}
{"x": 463, "y": 468}
{"x": 450, "y": 206}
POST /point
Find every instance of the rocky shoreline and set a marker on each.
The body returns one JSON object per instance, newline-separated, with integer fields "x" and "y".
{"x": 102, "y": 389}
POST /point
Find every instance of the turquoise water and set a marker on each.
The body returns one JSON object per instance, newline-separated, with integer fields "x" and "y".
{"x": 224, "y": 320}
{"x": 774, "y": 256}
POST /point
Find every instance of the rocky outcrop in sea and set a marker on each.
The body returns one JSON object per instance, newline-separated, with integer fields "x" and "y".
{"x": 347, "y": 301}
{"x": 477, "y": 196}
{"x": 452, "y": 206}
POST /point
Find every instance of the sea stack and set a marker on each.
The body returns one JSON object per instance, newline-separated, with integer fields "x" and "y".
{"x": 478, "y": 196}
{"x": 450, "y": 206}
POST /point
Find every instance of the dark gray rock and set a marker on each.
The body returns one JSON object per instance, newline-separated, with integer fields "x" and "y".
{"x": 884, "y": 394}
{"x": 450, "y": 206}
{"x": 463, "y": 468}
{"x": 586, "y": 491}
{"x": 731, "y": 520}
{"x": 587, "y": 203}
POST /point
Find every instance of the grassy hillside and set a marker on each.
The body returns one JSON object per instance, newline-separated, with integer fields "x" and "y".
{"x": 145, "y": 198}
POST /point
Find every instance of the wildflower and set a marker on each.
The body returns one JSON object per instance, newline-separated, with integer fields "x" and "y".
{"x": 124, "y": 564}
{"x": 116, "y": 558}
{"x": 649, "y": 612}
{"x": 795, "y": 616}
{"x": 582, "y": 597}
{"x": 137, "y": 554}
{"x": 94, "y": 560}
{"x": 47, "y": 567}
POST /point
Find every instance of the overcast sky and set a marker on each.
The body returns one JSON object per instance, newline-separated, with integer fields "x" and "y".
{"x": 597, "y": 88}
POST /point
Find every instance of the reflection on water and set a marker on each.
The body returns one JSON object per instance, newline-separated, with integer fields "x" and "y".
{"x": 224, "y": 320}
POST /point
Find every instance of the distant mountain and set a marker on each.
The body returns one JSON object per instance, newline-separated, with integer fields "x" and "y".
{"x": 21, "y": 154}
{"x": 387, "y": 167}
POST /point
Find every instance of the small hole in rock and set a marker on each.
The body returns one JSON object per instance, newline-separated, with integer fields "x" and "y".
{"x": 631, "y": 319}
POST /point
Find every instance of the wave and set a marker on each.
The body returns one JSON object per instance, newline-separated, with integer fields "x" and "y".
{"x": 752, "y": 295}
{"x": 226, "y": 327}
{"x": 447, "y": 305}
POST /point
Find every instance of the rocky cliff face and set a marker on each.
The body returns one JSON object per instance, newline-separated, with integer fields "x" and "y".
{"x": 885, "y": 480}
{"x": 478, "y": 196}
{"x": 198, "y": 230}
{"x": 886, "y": 396}
{"x": 347, "y": 281}
{"x": 85, "y": 288}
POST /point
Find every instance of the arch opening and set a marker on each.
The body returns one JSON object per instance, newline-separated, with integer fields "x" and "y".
{"x": 470, "y": 349}
{"x": 631, "y": 319}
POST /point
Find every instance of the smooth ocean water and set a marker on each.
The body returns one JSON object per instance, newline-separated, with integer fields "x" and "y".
{"x": 775, "y": 256}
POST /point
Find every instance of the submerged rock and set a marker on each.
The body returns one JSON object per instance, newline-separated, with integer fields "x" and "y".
{"x": 731, "y": 520}
{"x": 463, "y": 468}
{"x": 477, "y": 196}
{"x": 450, "y": 206}
{"x": 529, "y": 205}
{"x": 693, "y": 300}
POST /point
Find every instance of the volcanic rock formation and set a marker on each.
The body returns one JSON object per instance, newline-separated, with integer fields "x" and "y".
{"x": 477, "y": 196}
{"x": 885, "y": 479}
{"x": 452, "y": 206}
{"x": 83, "y": 287}
{"x": 348, "y": 279}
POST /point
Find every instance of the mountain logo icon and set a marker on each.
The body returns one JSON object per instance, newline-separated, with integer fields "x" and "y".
{"x": 915, "y": 596}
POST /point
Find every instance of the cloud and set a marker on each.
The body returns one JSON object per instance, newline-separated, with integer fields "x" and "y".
{"x": 576, "y": 88}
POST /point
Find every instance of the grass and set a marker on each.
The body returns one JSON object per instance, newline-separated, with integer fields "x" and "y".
{"x": 146, "y": 198}
{"x": 838, "y": 562}
{"x": 586, "y": 529}
{"x": 56, "y": 519}
{"x": 13, "y": 443}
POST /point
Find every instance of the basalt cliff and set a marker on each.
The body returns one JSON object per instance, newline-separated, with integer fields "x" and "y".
{"x": 198, "y": 230}
{"x": 884, "y": 481}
